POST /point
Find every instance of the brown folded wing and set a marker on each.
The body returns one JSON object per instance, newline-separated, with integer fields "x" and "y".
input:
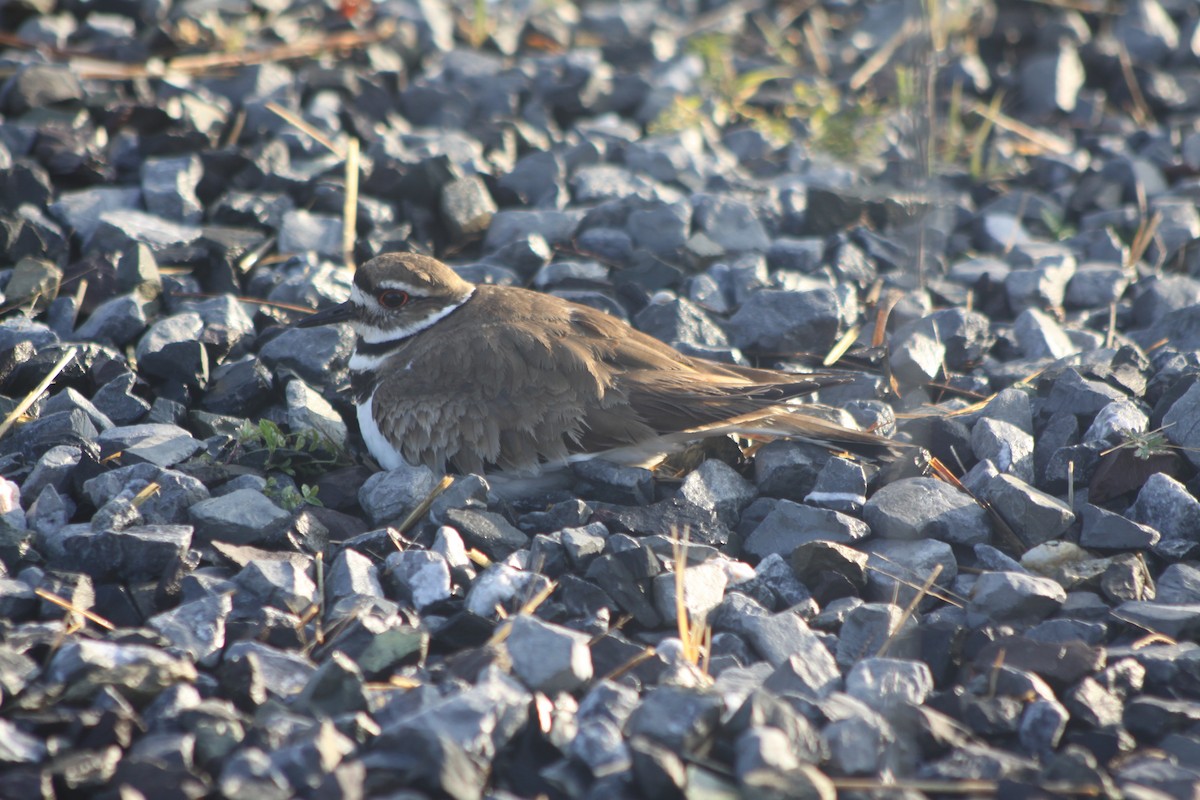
{"x": 525, "y": 378}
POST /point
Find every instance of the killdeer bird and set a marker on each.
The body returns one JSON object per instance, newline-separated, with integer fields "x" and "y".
{"x": 481, "y": 378}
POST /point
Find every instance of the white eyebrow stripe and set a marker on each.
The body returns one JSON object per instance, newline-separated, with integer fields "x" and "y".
{"x": 371, "y": 334}
{"x": 402, "y": 286}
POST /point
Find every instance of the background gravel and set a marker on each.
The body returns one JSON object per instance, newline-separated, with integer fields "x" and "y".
{"x": 205, "y": 593}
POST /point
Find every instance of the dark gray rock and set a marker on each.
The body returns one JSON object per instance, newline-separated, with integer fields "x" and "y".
{"x": 1040, "y": 336}
{"x": 716, "y": 486}
{"x": 555, "y": 227}
{"x": 584, "y": 544}
{"x": 1166, "y": 505}
{"x": 1147, "y": 32}
{"x": 53, "y": 468}
{"x": 1040, "y": 287}
{"x": 609, "y": 482}
{"x": 467, "y": 206}
{"x": 502, "y": 586}
{"x": 1096, "y": 284}
{"x": 1033, "y": 515}
{"x": 777, "y": 586}
{"x": 1042, "y": 725}
{"x": 161, "y": 445}
{"x": 303, "y": 231}
{"x": 168, "y": 505}
{"x": 487, "y": 532}
{"x": 679, "y": 321}
{"x": 135, "y": 553}
{"x": 312, "y": 353}
{"x": 196, "y": 627}
{"x": 548, "y": 658}
{"x": 1179, "y": 584}
{"x": 80, "y": 210}
{"x": 917, "y": 352}
{"x": 116, "y": 322}
{"x": 777, "y": 321}
{"x": 42, "y": 86}
{"x": 841, "y": 485}
{"x": 117, "y": 401}
{"x": 388, "y": 497}
{"x": 875, "y": 630}
{"x": 239, "y": 388}
{"x": 862, "y": 741}
{"x": 1115, "y": 422}
{"x": 1178, "y": 621}
{"x": 169, "y": 187}
{"x": 896, "y": 567}
{"x": 245, "y": 516}
{"x": 777, "y": 637}
{"x": 1005, "y": 445}
{"x": 284, "y": 585}
{"x": 351, "y": 574}
{"x": 1015, "y": 597}
{"x": 885, "y": 683}
{"x": 66, "y": 428}
{"x": 307, "y": 410}
{"x": 798, "y": 255}
{"x": 676, "y": 717}
{"x": 421, "y": 577}
{"x": 788, "y": 469}
{"x": 730, "y": 223}
{"x": 924, "y": 508}
{"x": 1072, "y": 393}
{"x": 1105, "y": 530}
{"x": 790, "y": 525}
{"x": 830, "y": 570}
{"x": 703, "y": 588}
{"x": 537, "y": 179}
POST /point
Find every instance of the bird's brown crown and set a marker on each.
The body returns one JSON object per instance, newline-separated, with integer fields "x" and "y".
{"x": 419, "y": 275}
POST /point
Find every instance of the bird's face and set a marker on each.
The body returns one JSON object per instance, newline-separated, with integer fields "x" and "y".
{"x": 395, "y": 296}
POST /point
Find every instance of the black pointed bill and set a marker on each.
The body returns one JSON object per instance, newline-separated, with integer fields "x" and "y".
{"x": 342, "y": 312}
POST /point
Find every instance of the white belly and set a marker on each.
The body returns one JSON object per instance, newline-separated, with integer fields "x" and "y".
{"x": 380, "y": 448}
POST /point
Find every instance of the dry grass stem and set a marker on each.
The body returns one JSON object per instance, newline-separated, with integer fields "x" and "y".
{"x": 299, "y": 123}
{"x": 910, "y": 608}
{"x": 423, "y": 507}
{"x": 1145, "y": 234}
{"x": 641, "y": 657}
{"x": 83, "y": 612}
{"x": 843, "y": 345}
{"x": 205, "y": 63}
{"x": 145, "y": 494}
{"x": 37, "y": 391}
{"x": 944, "y": 596}
{"x": 883, "y": 55}
{"x": 1044, "y": 139}
{"x": 350, "y": 207}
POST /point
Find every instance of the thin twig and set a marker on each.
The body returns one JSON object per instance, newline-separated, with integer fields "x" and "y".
{"x": 881, "y": 56}
{"x": 1140, "y": 112}
{"x": 204, "y": 63}
{"x": 350, "y": 208}
{"x": 83, "y": 612}
{"x": 33, "y": 396}
{"x": 1043, "y": 139}
{"x": 423, "y": 506}
{"x": 298, "y": 122}
{"x": 908, "y": 611}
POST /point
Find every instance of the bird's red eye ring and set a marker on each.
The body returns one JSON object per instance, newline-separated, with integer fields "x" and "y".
{"x": 392, "y": 298}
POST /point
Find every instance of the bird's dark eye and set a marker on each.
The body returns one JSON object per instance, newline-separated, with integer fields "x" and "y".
{"x": 392, "y": 298}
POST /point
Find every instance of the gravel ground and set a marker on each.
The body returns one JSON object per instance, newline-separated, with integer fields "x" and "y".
{"x": 205, "y": 591}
